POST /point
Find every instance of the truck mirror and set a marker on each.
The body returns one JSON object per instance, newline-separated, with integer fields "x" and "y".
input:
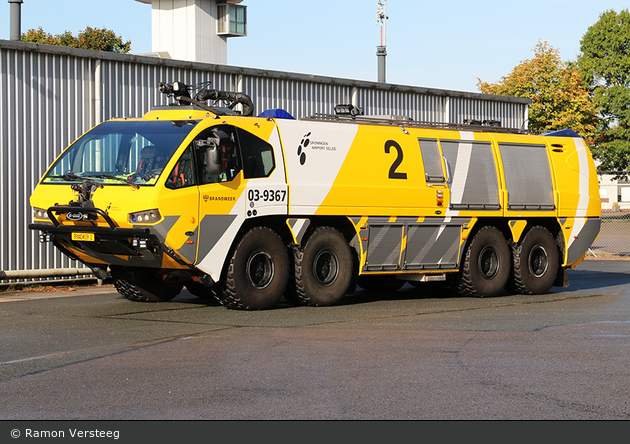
{"x": 213, "y": 156}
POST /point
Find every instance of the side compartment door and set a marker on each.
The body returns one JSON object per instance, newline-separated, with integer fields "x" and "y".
{"x": 412, "y": 244}
{"x": 472, "y": 175}
{"x": 527, "y": 176}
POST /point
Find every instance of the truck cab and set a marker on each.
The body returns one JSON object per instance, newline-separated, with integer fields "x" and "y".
{"x": 150, "y": 199}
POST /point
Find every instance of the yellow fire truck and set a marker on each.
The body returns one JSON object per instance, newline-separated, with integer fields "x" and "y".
{"x": 251, "y": 209}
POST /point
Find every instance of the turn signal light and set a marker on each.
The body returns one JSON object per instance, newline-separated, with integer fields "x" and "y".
{"x": 439, "y": 196}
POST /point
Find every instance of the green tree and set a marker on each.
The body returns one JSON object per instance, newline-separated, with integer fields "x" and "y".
{"x": 38, "y": 36}
{"x": 560, "y": 98}
{"x": 605, "y": 63}
{"x": 90, "y": 38}
{"x": 102, "y": 40}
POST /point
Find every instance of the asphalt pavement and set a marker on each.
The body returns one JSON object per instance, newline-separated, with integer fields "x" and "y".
{"x": 417, "y": 354}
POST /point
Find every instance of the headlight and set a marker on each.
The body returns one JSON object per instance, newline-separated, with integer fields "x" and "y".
{"x": 40, "y": 213}
{"x": 145, "y": 217}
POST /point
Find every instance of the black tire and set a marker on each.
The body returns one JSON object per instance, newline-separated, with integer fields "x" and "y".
{"x": 258, "y": 272}
{"x": 322, "y": 269}
{"x": 143, "y": 284}
{"x": 486, "y": 267}
{"x": 380, "y": 284}
{"x": 536, "y": 262}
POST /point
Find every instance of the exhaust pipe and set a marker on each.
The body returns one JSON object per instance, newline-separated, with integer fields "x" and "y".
{"x": 16, "y": 19}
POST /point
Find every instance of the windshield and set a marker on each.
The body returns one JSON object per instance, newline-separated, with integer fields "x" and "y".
{"x": 121, "y": 152}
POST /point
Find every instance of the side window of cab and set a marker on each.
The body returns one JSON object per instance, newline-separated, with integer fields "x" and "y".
{"x": 184, "y": 173}
{"x": 236, "y": 150}
{"x": 219, "y": 154}
{"x": 257, "y": 155}
{"x": 219, "y": 146}
{"x": 192, "y": 168}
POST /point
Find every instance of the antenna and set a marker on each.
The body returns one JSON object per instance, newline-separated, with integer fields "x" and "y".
{"x": 381, "y": 51}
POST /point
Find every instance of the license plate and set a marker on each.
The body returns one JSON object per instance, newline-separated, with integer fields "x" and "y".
{"x": 84, "y": 237}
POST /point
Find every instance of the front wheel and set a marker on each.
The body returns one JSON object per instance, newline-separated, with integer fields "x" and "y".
{"x": 323, "y": 268}
{"x": 258, "y": 272}
{"x": 143, "y": 284}
{"x": 536, "y": 262}
{"x": 486, "y": 266}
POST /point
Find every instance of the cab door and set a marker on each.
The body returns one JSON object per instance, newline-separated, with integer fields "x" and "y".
{"x": 250, "y": 184}
{"x": 179, "y": 204}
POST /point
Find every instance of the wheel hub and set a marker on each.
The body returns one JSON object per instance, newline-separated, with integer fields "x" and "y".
{"x": 260, "y": 269}
{"x": 538, "y": 261}
{"x": 326, "y": 267}
{"x": 489, "y": 262}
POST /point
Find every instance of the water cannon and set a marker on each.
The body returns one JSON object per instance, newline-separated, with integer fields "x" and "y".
{"x": 176, "y": 89}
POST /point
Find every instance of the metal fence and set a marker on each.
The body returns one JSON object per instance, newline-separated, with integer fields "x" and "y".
{"x": 50, "y": 95}
{"x": 614, "y": 236}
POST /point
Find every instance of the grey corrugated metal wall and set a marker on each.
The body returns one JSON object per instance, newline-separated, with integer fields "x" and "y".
{"x": 50, "y": 95}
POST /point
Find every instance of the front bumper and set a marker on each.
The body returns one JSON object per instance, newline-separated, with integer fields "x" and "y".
{"x": 97, "y": 245}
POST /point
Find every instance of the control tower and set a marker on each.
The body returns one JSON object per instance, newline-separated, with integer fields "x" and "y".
{"x": 195, "y": 30}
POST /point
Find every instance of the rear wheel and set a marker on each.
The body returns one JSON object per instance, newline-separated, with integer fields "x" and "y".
{"x": 258, "y": 272}
{"x": 486, "y": 267}
{"x": 323, "y": 268}
{"x": 143, "y": 284}
{"x": 536, "y": 262}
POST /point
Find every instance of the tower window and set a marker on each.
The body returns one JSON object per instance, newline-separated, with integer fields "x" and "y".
{"x": 231, "y": 20}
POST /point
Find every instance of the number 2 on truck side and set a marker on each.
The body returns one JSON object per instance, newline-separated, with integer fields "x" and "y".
{"x": 393, "y": 174}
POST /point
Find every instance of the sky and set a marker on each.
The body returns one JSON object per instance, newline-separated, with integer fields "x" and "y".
{"x": 447, "y": 44}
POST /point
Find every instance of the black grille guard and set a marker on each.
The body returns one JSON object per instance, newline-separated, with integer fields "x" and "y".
{"x": 112, "y": 230}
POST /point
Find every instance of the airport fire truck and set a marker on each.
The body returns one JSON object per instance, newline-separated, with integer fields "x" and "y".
{"x": 253, "y": 209}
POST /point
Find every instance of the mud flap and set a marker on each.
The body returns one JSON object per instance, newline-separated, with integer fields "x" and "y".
{"x": 99, "y": 272}
{"x": 562, "y": 278}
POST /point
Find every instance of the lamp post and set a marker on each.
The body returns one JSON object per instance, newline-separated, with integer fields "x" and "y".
{"x": 381, "y": 51}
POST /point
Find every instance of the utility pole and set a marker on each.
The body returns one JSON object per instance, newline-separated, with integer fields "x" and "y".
{"x": 381, "y": 51}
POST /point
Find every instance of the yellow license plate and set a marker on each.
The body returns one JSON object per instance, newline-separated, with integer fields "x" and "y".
{"x": 84, "y": 237}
